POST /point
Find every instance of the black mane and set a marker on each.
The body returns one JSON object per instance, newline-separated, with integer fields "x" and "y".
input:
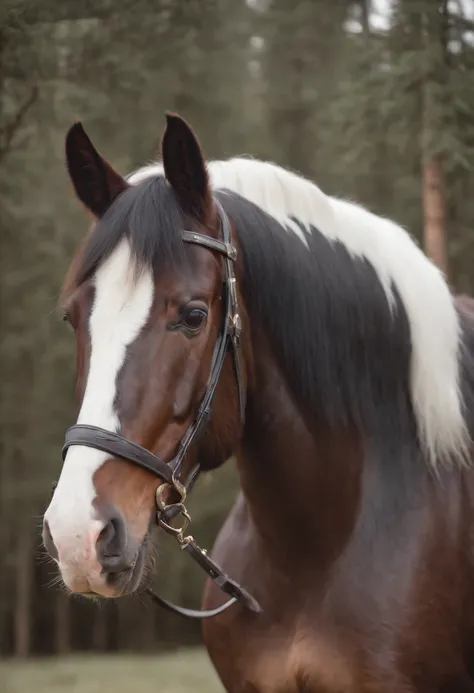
{"x": 149, "y": 216}
{"x": 345, "y": 353}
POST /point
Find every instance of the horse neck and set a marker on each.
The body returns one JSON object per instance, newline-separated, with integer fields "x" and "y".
{"x": 301, "y": 479}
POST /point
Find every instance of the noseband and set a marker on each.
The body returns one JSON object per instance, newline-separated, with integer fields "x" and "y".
{"x": 170, "y": 472}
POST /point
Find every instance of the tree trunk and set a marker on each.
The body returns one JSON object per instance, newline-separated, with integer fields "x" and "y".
{"x": 434, "y": 118}
{"x": 23, "y": 594}
{"x": 434, "y": 210}
{"x": 365, "y": 7}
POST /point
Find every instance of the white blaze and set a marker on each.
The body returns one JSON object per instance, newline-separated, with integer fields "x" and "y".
{"x": 120, "y": 310}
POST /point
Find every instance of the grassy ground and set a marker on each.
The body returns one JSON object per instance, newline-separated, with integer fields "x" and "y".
{"x": 183, "y": 672}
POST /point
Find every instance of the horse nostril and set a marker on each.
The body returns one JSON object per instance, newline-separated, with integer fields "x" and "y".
{"x": 110, "y": 537}
{"x": 48, "y": 541}
{"x": 112, "y": 544}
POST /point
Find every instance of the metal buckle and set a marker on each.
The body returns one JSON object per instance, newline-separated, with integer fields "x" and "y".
{"x": 177, "y": 532}
{"x": 232, "y": 284}
{"x": 163, "y": 488}
{"x": 234, "y": 321}
{"x": 178, "y": 486}
{"x": 236, "y": 329}
{"x": 231, "y": 251}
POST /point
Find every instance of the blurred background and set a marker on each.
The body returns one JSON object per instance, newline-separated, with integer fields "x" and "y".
{"x": 374, "y": 100}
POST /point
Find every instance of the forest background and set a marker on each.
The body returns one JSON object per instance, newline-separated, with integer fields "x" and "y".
{"x": 372, "y": 100}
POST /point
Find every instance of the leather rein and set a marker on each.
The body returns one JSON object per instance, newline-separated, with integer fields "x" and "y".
{"x": 169, "y": 472}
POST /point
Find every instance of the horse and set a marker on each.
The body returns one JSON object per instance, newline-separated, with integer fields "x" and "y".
{"x": 344, "y": 390}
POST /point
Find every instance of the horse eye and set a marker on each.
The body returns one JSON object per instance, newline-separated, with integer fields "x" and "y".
{"x": 194, "y": 319}
{"x": 66, "y": 318}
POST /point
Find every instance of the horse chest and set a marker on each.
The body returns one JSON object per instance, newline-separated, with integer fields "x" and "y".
{"x": 307, "y": 665}
{"x": 274, "y": 663}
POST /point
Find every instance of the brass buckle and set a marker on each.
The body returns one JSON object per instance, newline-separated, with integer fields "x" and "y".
{"x": 178, "y": 486}
{"x": 160, "y": 491}
{"x": 177, "y": 532}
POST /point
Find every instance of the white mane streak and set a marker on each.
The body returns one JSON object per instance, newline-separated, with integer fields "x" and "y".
{"x": 435, "y": 331}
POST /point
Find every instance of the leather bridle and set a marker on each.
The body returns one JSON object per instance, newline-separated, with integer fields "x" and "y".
{"x": 170, "y": 472}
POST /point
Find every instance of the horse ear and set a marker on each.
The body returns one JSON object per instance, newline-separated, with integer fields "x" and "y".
{"x": 96, "y": 183}
{"x": 185, "y": 167}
